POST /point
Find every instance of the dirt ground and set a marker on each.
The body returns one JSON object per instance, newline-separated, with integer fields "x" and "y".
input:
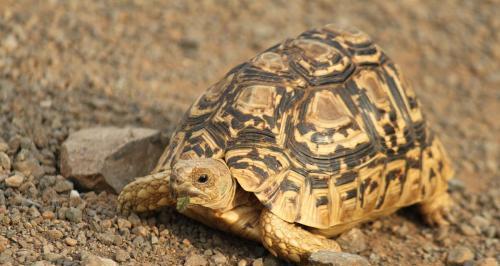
{"x": 67, "y": 65}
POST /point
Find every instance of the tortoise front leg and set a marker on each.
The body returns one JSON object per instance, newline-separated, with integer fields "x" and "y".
{"x": 146, "y": 193}
{"x": 289, "y": 241}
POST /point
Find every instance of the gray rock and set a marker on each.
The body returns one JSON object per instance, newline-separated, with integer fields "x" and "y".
{"x": 108, "y": 158}
{"x": 74, "y": 215}
{"x": 329, "y": 258}
{"x": 93, "y": 260}
{"x": 196, "y": 260}
{"x": 352, "y": 241}
{"x": 122, "y": 255}
{"x": 63, "y": 186}
{"x": 459, "y": 255}
{"x": 219, "y": 259}
{"x": 27, "y": 164}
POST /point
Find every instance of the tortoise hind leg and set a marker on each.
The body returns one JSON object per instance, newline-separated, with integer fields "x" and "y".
{"x": 146, "y": 193}
{"x": 289, "y": 241}
{"x": 435, "y": 210}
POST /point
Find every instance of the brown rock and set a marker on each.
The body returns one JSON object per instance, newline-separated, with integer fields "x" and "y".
{"x": 196, "y": 260}
{"x": 107, "y": 158}
{"x": 486, "y": 262}
{"x": 14, "y": 181}
{"x": 352, "y": 241}
{"x": 4, "y": 242}
{"x": 459, "y": 255}
{"x": 329, "y": 258}
{"x": 93, "y": 260}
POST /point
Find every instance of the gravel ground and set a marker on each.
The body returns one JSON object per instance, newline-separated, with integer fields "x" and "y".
{"x": 67, "y": 65}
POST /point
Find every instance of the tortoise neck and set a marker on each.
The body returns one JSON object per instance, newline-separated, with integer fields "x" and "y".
{"x": 226, "y": 199}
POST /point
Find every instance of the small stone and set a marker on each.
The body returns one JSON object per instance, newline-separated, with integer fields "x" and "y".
{"x": 74, "y": 215}
{"x": 196, "y": 260}
{"x": 271, "y": 261}
{"x": 70, "y": 241}
{"x": 48, "y": 215}
{"x": 486, "y": 262}
{"x": 123, "y": 224}
{"x": 4, "y": 162}
{"x": 4, "y": 146}
{"x": 4, "y": 242}
{"x": 140, "y": 231}
{"x": 121, "y": 255}
{"x": 352, "y": 241}
{"x": 52, "y": 256}
{"x": 329, "y": 258}
{"x": 14, "y": 181}
{"x": 134, "y": 219}
{"x": 459, "y": 255}
{"x": 219, "y": 259}
{"x": 42, "y": 263}
{"x": 154, "y": 240}
{"x": 75, "y": 200}
{"x": 63, "y": 186}
{"x": 258, "y": 262}
{"x": 243, "y": 262}
{"x": 480, "y": 223}
{"x": 93, "y": 260}
{"x": 467, "y": 230}
{"x": 27, "y": 164}
{"x": 110, "y": 239}
{"x": 55, "y": 234}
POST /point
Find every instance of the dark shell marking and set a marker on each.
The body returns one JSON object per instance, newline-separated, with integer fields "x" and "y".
{"x": 322, "y": 128}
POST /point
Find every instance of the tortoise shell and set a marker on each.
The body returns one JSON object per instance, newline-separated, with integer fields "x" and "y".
{"x": 322, "y": 128}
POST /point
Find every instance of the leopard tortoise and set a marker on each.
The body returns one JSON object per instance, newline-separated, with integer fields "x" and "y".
{"x": 309, "y": 138}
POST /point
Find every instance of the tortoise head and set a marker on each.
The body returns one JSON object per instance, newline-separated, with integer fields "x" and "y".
{"x": 203, "y": 182}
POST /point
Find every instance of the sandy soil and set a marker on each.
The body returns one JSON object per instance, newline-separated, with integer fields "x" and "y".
{"x": 67, "y": 65}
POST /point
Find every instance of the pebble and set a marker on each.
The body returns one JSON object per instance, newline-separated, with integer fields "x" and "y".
{"x": 242, "y": 262}
{"x": 353, "y": 241}
{"x": 480, "y": 223}
{"x": 14, "y": 181}
{"x": 486, "y": 262}
{"x": 123, "y": 224}
{"x": 196, "y": 260}
{"x": 219, "y": 259}
{"x": 70, "y": 241}
{"x": 329, "y": 258}
{"x": 467, "y": 230}
{"x": 459, "y": 256}
{"x": 258, "y": 262}
{"x": 74, "y": 215}
{"x": 4, "y": 243}
{"x": 4, "y": 162}
{"x": 75, "y": 200}
{"x": 55, "y": 234}
{"x": 140, "y": 231}
{"x": 63, "y": 186}
{"x": 49, "y": 215}
{"x": 93, "y": 260}
{"x": 121, "y": 255}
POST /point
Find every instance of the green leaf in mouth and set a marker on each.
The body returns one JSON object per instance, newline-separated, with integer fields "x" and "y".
{"x": 182, "y": 203}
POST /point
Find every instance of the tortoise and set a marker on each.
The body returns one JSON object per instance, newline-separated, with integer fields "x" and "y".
{"x": 299, "y": 144}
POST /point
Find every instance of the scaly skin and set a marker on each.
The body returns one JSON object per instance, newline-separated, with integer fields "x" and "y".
{"x": 147, "y": 193}
{"x": 289, "y": 241}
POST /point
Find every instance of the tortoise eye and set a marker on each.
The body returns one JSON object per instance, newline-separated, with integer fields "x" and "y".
{"x": 202, "y": 178}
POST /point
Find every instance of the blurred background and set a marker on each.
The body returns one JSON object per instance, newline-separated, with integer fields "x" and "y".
{"x": 67, "y": 65}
